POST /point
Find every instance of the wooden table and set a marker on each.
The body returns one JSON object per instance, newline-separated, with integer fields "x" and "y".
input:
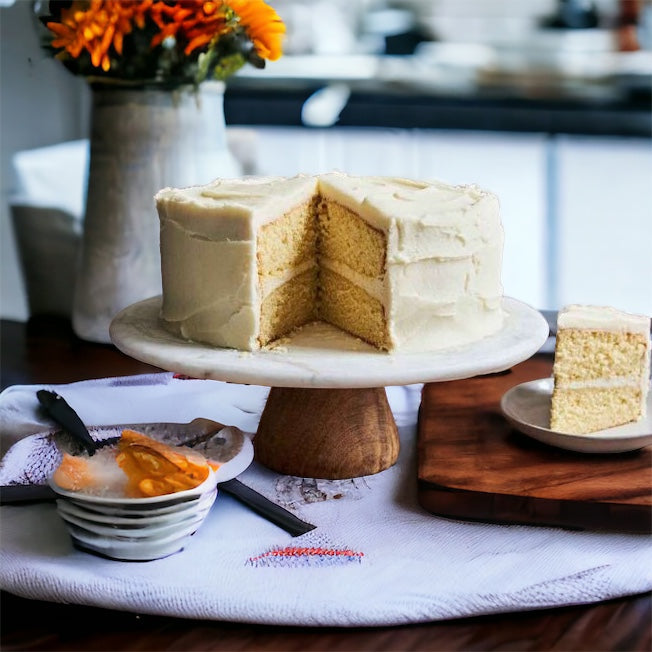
{"x": 46, "y": 351}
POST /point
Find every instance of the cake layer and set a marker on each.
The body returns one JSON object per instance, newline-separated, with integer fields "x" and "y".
{"x": 584, "y": 410}
{"x": 347, "y": 239}
{"x": 349, "y": 307}
{"x": 614, "y": 356}
{"x": 289, "y": 306}
{"x": 288, "y": 242}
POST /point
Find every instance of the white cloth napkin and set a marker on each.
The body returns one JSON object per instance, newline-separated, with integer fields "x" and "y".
{"x": 376, "y": 557}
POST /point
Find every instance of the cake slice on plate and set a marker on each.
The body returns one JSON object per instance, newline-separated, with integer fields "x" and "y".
{"x": 601, "y": 369}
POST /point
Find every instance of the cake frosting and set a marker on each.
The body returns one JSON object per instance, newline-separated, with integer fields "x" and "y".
{"x": 602, "y": 318}
{"x": 428, "y": 254}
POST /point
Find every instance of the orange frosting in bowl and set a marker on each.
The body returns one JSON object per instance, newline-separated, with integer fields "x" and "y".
{"x": 151, "y": 467}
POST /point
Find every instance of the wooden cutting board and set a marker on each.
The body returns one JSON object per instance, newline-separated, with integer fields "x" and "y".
{"x": 474, "y": 465}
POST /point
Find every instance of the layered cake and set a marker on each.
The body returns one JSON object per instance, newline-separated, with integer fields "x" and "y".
{"x": 403, "y": 265}
{"x": 601, "y": 369}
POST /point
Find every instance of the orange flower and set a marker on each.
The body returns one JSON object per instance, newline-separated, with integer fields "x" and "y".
{"x": 196, "y": 21}
{"x": 263, "y": 26}
{"x": 210, "y": 23}
{"x": 183, "y": 41}
{"x": 96, "y": 25}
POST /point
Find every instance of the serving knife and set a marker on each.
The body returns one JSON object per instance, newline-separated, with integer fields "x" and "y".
{"x": 34, "y": 493}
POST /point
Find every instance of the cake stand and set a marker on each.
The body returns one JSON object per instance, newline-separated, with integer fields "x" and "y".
{"x": 327, "y": 414}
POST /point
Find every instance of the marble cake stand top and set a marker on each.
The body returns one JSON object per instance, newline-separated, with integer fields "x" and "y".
{"x": 321, "y": 356}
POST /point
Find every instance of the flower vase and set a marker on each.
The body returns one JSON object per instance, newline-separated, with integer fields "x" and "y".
{"x": 142, "y": 140}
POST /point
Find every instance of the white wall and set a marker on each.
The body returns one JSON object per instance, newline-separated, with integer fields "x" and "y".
{"x": 40, "y": 104}
{"x": 604, "y": 222}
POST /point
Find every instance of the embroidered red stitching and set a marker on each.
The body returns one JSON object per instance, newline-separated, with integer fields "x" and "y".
{"x": 293, "y": 551}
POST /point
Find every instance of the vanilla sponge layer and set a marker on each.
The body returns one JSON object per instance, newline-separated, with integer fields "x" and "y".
{"x": 587, "y": 409}
{"x": 403, "y": 266}
{"x": 583, "y": 356}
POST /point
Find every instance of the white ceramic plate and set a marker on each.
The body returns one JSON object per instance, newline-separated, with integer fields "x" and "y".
{"x": 123, "y": 518}
{"x": 527, "y": 408}
{"x": 238, "y": 464}
{"x": 130, "y": 551}
{"x": 112, "y": 525}
{"x": 129, "y": 512}
{"x": 102, "y": 534}
{"x": 149, "y": 539}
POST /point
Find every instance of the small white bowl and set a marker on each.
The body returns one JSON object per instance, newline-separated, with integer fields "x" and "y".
{"x": 117, "y": 518}
{"x": 135, "y": 511}
{"x": 129, "y": 527}
{"x": 142, "y": 550}
{"x": 152, "y": 532}
{"x": 135, "y": 529}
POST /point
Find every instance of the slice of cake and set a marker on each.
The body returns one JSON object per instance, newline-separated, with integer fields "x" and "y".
{"x": 601, "y": 369}
{"x": 403, "y": 265}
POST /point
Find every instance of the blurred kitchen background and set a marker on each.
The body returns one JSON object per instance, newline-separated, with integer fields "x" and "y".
{"x": 548, "y": 103}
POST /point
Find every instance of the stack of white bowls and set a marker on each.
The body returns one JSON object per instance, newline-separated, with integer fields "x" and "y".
{"x": 135, "y": 529}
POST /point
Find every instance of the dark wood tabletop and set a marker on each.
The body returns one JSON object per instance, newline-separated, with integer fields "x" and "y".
{"x": 45, "y": 350}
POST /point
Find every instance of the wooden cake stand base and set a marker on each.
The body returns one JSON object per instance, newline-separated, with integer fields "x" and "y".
{"x": 327, "y": 433}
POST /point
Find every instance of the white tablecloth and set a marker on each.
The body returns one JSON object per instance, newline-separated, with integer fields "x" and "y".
{"x": 376, "y": 557}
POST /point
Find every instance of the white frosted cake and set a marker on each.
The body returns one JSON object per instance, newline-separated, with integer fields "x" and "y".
{"x": 401, "y": 264}
{"x": 601, "y": 369}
